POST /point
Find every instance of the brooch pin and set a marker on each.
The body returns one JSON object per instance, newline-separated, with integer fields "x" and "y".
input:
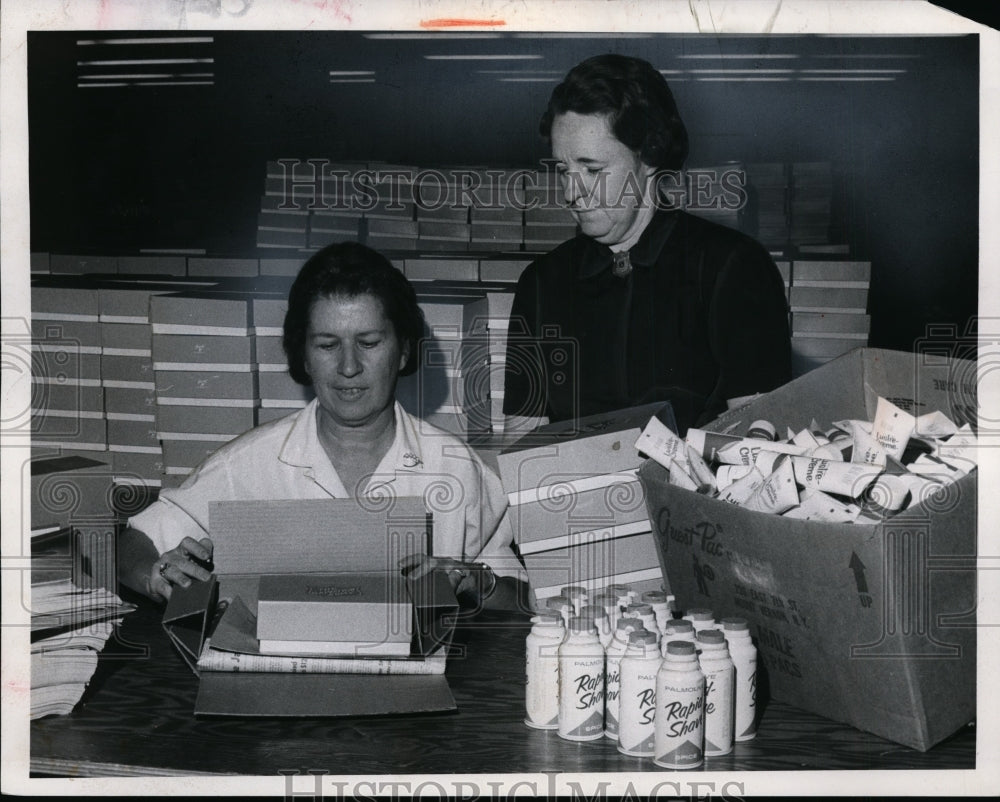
{"x": 411, "y": 460}
{"x": 622, "y": 265}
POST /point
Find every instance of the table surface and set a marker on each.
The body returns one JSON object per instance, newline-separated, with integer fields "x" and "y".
{"x": 136, "y": 718}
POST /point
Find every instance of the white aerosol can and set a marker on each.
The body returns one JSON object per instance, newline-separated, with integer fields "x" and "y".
{"x": 615, "y": 653}
{"x": 744, "y": 657}
{"x": 720, "y": 674}
{"x": 701, "y": 618}
{"x": 541, "y": 691}
{"x": 679, "y": 722}
{"x": 637, "y": 697}
{"x": 581, "y": 682}
{"x": 678, "y": 629}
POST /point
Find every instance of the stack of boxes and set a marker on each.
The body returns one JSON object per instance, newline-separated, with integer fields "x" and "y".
{"x": 767, "y": 188}
{"x": 284, "y": 209}
{"x": 442, "y": 212}
{"x": 713, "y": 193}
{"x": 129, "y": 389}
{"x": 67, "y": 399}
{"x": 497, "y": 219}
{"x": 829, "y": 301}
{"x": 577, "y": 507}
{"x": 279, "y": 394}
{"x": 437, "y": 392}
{"x": 811, "y": 202}
{"x": 203, "y": 371}
{"x": 391, "y": 223}
{"x": 547, "y": 220}
{"x": 486, "y": 322}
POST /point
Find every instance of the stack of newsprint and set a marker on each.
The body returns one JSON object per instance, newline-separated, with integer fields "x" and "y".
{"x": 69, "y": 627}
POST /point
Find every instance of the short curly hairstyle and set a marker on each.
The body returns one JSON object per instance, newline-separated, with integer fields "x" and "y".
{"x": 638, "y": 100}
{"x": 350, "y": 269}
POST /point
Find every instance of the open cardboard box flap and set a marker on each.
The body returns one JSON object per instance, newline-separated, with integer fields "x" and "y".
{"x": 313, "y": 536}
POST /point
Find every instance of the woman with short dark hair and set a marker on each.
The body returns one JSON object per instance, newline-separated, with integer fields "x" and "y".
{"x": 352, "y": 328}
{"x": 648, "y": 302}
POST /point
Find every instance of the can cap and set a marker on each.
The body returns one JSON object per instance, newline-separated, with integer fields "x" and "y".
{"x": 571, "y": 591}
{"x": 711, "y": 636}
{"x": 581, "y": 623}
{"x": 546, "y": 618}
{"x": 629, "y": 624}
{"x": 680, "y": 647}
{"x": 555, "y": 602}
{"x": 680, "y": 625}
{"x": 735, "y": 624}
{"x": 642, "y": 637}
{"x": 700, "y": 614}
{"x": 604, "y": 599}
{"x": 639, "y": 608}
{"x": 594, "y": 611}
{"x": 654, "y": 597}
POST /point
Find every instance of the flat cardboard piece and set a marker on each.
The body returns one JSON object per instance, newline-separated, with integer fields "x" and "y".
{"x": 311, "y": 695}
{"x": 873, "y": 625}
{"x": 333, "y": 535}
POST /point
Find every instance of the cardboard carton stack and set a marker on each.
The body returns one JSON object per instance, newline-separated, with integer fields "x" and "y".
{"x": 577, "y": 507}
{"x": 73, "y": 519}
{"x": 289, "y": 192}
{"x": 872, "y": 623}
{"x": 811, "y": 202}
{"x": 767, "y": 186}
{"x": 442, "y": 212}
{"x": 391, "y": 223}
{"x": 713, "y": 193}
{"x": 828, "y": 300}
{"x": 67, "y": 403}
{"x": 437, "y": 392}
{"x": 203, "y": 370}
{"x": 547, "y": 220}
{"x": 278, "y": 394}
{"x": 129, "y": 389}
{"x": 486, "y": 323}
{"x": 497, "y": 220}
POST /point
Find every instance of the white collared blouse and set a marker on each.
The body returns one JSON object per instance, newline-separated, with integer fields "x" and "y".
{"x": 284, "y": 459}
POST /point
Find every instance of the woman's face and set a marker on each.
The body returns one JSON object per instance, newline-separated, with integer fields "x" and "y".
{"x": 353, "y": 357}
{"x": 604, "y": 182}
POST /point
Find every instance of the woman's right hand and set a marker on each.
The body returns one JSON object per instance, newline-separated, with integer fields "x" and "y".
{"x": 191, "y": 559}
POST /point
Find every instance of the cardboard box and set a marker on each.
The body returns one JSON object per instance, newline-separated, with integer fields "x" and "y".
{"x": 127, "y": 371}
{"x": 873, "y": 625}
{"x": 427, "y": 268}
{"x": 126, "y": 339}
{"x": 566, "y": 509}
{"x": 200, "y": 419}
{"x": 597, "y": 444}
{"x": 596, "y": 558}
{"x": 200, "y": 351}
{"x": 360, "y": 612}
{"x": 219, "y": 386}
{"x": 296, "y": 537}
{"x": 500, "y": 269}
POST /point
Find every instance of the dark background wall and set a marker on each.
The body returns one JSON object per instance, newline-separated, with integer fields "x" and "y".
{"x": 119, "y": 168}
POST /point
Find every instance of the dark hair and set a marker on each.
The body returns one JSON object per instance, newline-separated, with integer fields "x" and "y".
{"x": 643, "y": 114}
{"x": 350, "y": 269}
